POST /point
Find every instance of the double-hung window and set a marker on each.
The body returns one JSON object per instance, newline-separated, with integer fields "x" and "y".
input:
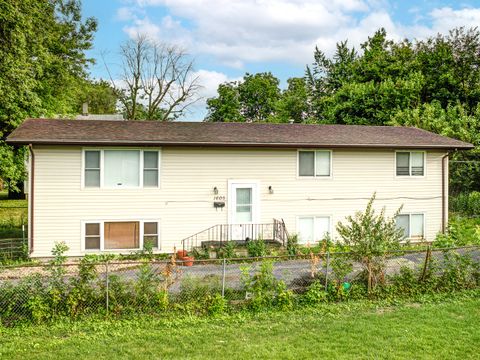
{"x": 92, "y": 168}
{"x": 412, "y": 225}
{"x": 120, "y": 235}
{"x": 312, "y": 229}
{"x": 314, "y": 163}
{"x": 410, "y": 163}
{"x": 121, "y": 168}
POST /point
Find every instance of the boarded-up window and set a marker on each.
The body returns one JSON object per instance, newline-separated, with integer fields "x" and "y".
{"x": 121, "y": 235}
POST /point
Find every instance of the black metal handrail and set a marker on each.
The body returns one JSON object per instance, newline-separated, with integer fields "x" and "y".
{"x": 222, "y": 233}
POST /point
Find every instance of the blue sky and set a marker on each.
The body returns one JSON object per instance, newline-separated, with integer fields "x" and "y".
{"x": 230, "y": 37}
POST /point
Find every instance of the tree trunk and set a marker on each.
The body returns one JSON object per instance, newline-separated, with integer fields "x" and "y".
{"x": 17, "y": 195}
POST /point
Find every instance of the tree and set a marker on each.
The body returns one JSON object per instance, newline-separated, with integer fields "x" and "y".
{"x": 158, "y": 76}
{"x": 253, "y": 99}
{"x": 42, "y": 63}
{"x": 454, "y": 121}
{"x": 226, "y": 106}
{"x": 294, "y": 102}
{"x": 370, "y": 236}
{"x": 258, "y": 95}
{"x": 100, "y": 96}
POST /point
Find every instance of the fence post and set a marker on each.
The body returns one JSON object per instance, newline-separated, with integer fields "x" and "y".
{"x": 326, "y": 270}
{"x": 425, "y": 266}
{"x": 106, "y": 287}
{"x": 223, "y": 276}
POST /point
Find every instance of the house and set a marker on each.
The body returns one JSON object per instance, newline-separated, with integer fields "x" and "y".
{"x": 114, "y": 185}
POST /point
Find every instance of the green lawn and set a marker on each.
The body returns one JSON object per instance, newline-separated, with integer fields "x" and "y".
{"x": 13, "y": 213}
{"x": 422, "y": 331}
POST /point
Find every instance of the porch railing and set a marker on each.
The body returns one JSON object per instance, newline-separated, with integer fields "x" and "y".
{"x": 219, "y": 234}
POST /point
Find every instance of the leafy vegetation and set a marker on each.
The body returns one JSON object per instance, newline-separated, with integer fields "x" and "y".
{"x": 369, "y": 237}
{"x": 43, "y": 69}
{"x": 148, "y": 287}
{"x": 433, "y": 84}
{"x": 461, "y": 231}
{"x": 257, "y": 248}
{"x": 465, "y": 204}
{"x": 406, "y": 330}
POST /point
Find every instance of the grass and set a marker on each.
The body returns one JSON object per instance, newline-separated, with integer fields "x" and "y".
{"x": 13, "y": 213}
{"x": 450, "y": 329}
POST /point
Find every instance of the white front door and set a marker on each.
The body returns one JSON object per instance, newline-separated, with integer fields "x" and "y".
{"x": 244, "y": 209}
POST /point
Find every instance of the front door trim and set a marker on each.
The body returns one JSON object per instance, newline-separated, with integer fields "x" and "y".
{"x": 255, "y": 185}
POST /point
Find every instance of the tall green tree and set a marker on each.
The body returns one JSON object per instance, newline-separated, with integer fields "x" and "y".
{"x": 294, "y": 103}
{"x": 226, "y": 106}
{"x": 42, "y": 63}
{"x": 253, "y": 99}
{"x": 100, "y": 96}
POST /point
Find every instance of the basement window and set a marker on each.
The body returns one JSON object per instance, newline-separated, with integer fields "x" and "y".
{"x": 312, "y": 229}
{"x": 150, "y": 234}
{"x": 121, "y": 235}
{"x": 412, "y": 225}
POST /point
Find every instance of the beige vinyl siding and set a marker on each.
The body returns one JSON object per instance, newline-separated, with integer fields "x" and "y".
{"x": 184, "y": 200}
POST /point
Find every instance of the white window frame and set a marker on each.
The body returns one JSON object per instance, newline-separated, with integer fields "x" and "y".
{"x": 409, "y": 237}
{"x": 102, "y": 168}
{"x": 315, "y": 176}
{"x": 102, "y": 237}
{"x": 314, "y": 217}
{"x": 410, "y": 165}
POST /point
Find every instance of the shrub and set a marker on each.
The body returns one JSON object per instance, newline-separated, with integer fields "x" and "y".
{"x": 466, "y": 203}
{"x": 315, "y": 294}
{"x": 257, "y": 248}
{"x": 227, "y": 251}
{"x": 292, "y": 245}
{"x": 369, "y": 237}
{"x": 461, "y": 232}
{"x": 460, "y": 272}
{"x": 193, "y": 287}
{"x": 263, "y": 290}
{"x": 216, "y": 304}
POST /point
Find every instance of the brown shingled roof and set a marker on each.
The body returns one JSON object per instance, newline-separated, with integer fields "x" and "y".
{"x": 152, "y": 133}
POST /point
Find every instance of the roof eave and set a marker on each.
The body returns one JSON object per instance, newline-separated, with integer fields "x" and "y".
{"x": 464, "y": 146}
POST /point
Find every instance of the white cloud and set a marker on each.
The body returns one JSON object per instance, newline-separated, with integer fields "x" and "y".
{"x": 143, "y": 27}
{"x": 447, "y": 18}
{"x": 209, "y": 80}
{"x": 235, "y": 32}
{"x": 239, "y": 31}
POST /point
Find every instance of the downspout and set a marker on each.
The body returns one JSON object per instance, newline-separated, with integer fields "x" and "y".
{"x": 444, "y": 186}
{"x": 32, "y": 197}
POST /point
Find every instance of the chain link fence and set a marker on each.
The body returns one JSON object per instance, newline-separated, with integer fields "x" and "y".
{"x": 13, "y": 248}
{"x": 40, "y": 292}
